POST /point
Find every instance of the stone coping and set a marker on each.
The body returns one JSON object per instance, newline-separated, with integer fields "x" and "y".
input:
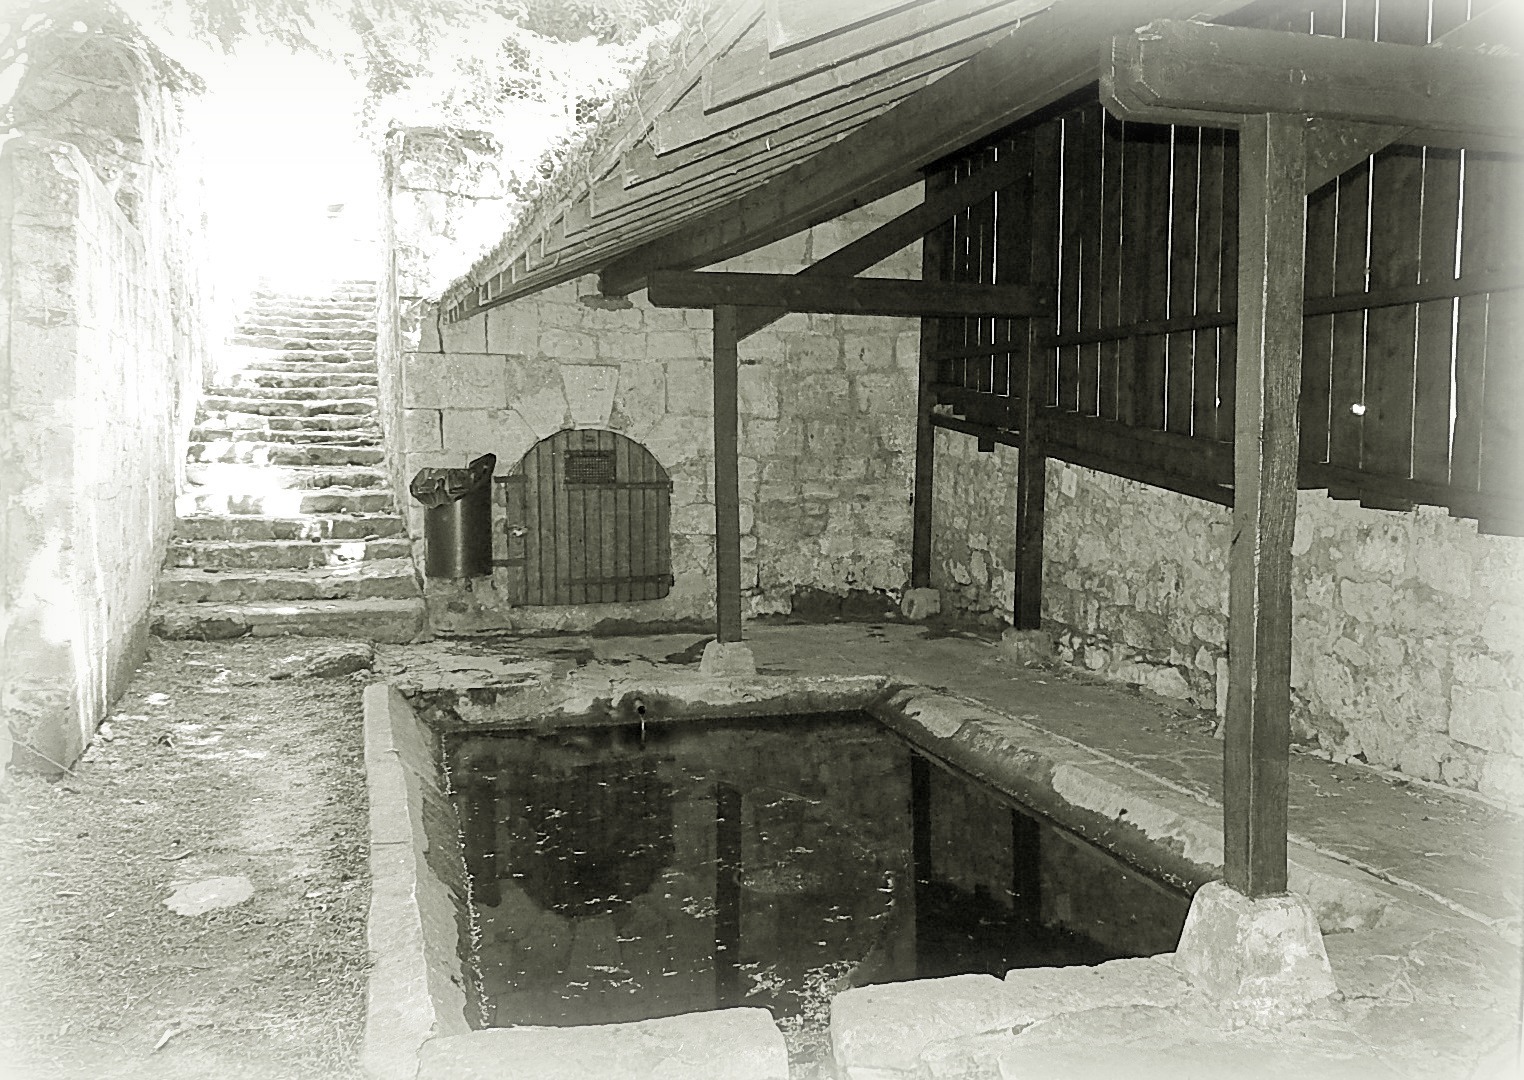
{"x": 418, "y": 986}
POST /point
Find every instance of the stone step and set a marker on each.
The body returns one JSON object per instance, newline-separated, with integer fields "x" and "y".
{"x": 230, "y": 451}
{"x": 283, "y": 554}
{"x": 236, "y": 477}
{"x": 376, "y": 578}
{"x": 258, "y": 527}
{"x": 342, "y": 392}
{"x": 246, "y": 422}
{"x": 276, "y": 366}
{"x": 307, "y": 341}
{"x": 287, "y": 503}
{"x": 337, "y": 294}
{"x": 298, "y": 323}
{"x": 211, "y": 433}
{"x": 380, "y": 619}
{"x": 213, "y": 403}
{"x": 361, "y": 380}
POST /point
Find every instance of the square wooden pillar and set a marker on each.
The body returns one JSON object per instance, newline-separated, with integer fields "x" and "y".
{"x": 1271, "y": 237}
{"x": 727, "y": 497}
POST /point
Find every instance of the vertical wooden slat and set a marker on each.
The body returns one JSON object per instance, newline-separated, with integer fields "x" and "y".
{"x": 964, "y": 254}
{"x": 1209, "y": 243}
{"x": 658, "y": 529}
{"x": 727, "y": 500}
{"x": 1396, "y": 197}
{"x": 936, "y": 254}
{"x": 1088, "y": 131}
{"x": 1111, "y": 262}
{"x": 984, "y": 273}
{"x": 1435, "y": 325}
{"x": 620, "y": 524}
{"x": 1071, "y": 230}
{"x": 1015, "y": 265}
{"x": 1317, "y": 330}
{"x": 1227, "y": 338}
{"x": 567, "y": 552}
{"x": 1502, "y": 464}
{"x": 646, "y": 533}
{"x": 1031, "y": 484}
{"x": 1179, "y": 356}
{"x": 1256, "y": 748}
{"x": 1134, "y": 266}
{"x": 1347, "y": 380}
{"x": 516, "y": 535}
{"x": 608, "y": 513}
{"x": 536, "y": 470}
{"x": 1154, "y": 284}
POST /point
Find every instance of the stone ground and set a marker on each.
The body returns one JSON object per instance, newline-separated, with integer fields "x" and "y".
{"x": 213, "y": 769}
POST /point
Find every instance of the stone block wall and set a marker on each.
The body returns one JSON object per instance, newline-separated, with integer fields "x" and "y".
{"x": 106, "y": 328}
{"x": 94, "y": 421}
{"x": 826, "y": 430}
{"x": 1408, "y": 642}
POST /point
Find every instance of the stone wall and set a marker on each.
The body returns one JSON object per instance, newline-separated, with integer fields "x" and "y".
{"x": 103, "y": 338}
{"x": 826, "y": 430}
{"x": 442, "y": 193}
{"x": 1409, "y": 627}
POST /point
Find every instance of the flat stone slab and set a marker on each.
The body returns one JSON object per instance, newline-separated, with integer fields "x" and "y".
{"x": 877, "y": 1030}
{"x": 728, "y": 1044}
{"x": 1149, "y": 1043}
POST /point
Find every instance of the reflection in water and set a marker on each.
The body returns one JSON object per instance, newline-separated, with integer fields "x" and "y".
{"x": 624, "y": 873}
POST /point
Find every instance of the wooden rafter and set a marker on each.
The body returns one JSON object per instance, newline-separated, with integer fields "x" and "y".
{"x": 1044, "y": 62}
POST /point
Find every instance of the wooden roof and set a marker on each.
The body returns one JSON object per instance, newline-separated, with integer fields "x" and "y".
{"x": 775, "y": 115}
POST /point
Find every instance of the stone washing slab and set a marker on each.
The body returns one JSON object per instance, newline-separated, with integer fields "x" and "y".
{"x": 383, "y": 620}
{"x": 948, "y": 1026}
{"x": 417, "y": 986}
{"x": 728, "y": 1044}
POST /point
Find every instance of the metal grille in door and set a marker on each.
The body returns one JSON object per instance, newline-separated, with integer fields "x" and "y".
{"x": 587, "y": 521}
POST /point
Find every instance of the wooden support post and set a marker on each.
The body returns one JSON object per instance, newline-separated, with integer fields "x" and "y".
{"x": 727, "y": 496}
{"x": 1271, "y": 233}
{"x": 935, "y": 251}
{"x": 1032, "y": 466}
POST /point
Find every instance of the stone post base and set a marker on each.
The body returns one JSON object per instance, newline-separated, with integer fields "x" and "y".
{"x": 918, "y": 604}
{"x": 1265, "y": 955}
{"x": 727, "y": 658}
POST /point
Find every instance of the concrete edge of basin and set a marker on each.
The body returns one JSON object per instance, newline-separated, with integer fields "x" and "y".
{"x": 416, "y": 988}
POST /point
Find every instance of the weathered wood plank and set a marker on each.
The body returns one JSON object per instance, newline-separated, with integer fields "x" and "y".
{"x": 1317, "y": 330}
{"x": 1088, "y": 136}
{"x": 1256, "y": 748}
{"x": 1180, "y": 360}
{"x": 1070, "y": 239}
{"x": 840, "y": 296}
{"x": 1111, "y": 262}
{"x": 727, "y": 499}
{"x": 1396, "y": 199}
{"x": 1347, "y": 378}
{"x": 1153, "y": 284}
{"x": 1209, "y": 244}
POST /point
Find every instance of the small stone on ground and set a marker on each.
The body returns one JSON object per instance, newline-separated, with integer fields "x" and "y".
{"x": 199, "y": 897}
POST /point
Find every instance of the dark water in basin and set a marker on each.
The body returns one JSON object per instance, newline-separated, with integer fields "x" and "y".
{"x": 622, "y": 874}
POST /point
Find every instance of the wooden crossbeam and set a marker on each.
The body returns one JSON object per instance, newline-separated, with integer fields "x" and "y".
{"x": 841, "y": 296}
{"x": 1174, "y": 71}
{"x": 906, "y": 229}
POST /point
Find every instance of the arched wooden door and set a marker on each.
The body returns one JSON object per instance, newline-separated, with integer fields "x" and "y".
{"x": 588, "y": 521}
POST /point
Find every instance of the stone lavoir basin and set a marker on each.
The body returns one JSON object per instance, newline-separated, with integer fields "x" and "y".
{"x": 762, "y": 878}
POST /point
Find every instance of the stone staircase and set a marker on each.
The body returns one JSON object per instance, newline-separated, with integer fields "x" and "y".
{"x": 287, "y": 524}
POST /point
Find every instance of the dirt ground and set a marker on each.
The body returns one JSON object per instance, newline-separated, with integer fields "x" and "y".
{"x": 208, "y": 768}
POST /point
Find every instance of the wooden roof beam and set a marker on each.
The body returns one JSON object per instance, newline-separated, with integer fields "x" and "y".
{"x": 1046, "y": 61}
{"x": 840, "y": 296}
{"x": 1189, "y": 72}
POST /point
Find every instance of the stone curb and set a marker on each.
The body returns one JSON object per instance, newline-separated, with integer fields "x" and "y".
{"x": 416, "y": 990}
